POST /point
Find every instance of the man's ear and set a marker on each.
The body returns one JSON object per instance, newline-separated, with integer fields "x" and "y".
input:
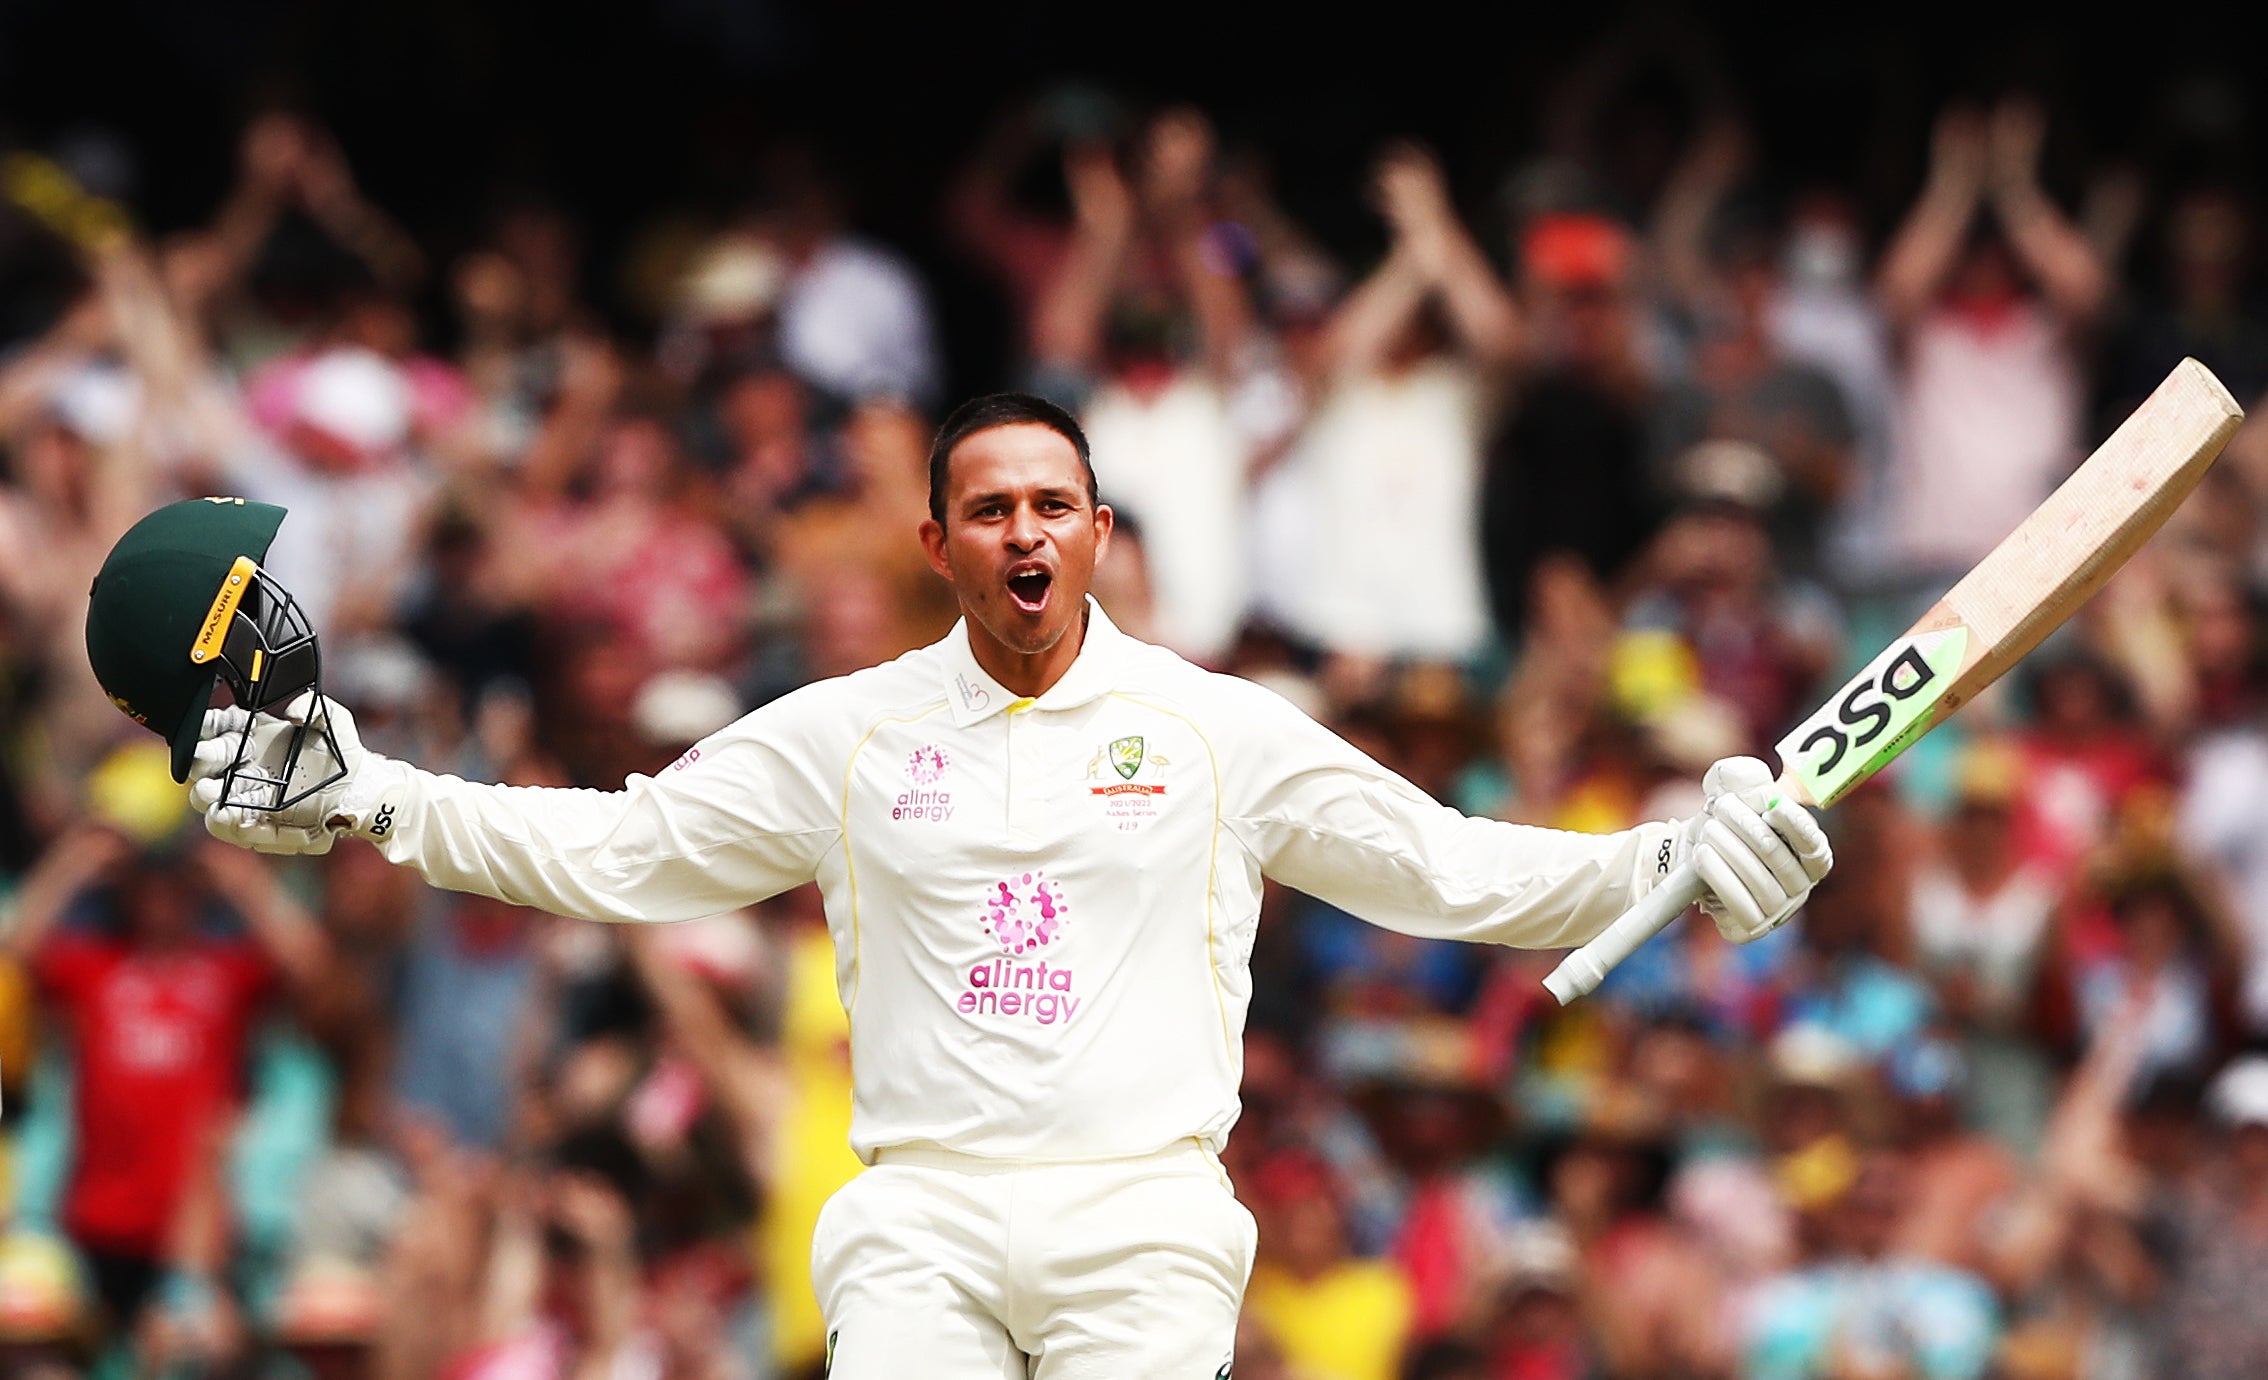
{"x": 933, "y": 546}
{"x": 1106, "y": 522}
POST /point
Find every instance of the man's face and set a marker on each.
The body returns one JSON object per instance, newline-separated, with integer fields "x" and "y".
{"x": 1020, "y": 537}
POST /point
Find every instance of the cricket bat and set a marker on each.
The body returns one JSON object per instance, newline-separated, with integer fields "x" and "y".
{"x": 2037, "y": 577}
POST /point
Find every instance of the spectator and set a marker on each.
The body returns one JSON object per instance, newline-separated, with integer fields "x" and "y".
{"x": 542, "y": 544}
{"x": 1335, "y": 1316}
{"x": 1742, "y": 384}
{"x": 1407, "y": 378}
{"x": 853, "y": 321}
{"x": 1144, "y": 265}
{"x": 1958, "y": 1181}
{"x": 1981, "y": 919}
{"x": 1991, "y": 398}
{"x": 1566, "y": 476}
{"x": 1854, "y": 1306}
{"x": 159, "y": 1012}
{"x": 2213, "y": 1239}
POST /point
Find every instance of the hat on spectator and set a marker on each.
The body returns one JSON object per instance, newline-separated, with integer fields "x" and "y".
{"x": 1818, "y": 1175}
{"x": 1729, "y": 474}
{"x": 2239, "y": 1097}
{"x": 1575, "y": 250}
{"x": 41, "y": 1294}
{"x": 1650, "y": 669}
{"x": 329, "y": 1301}
{"x": 1295, "y": 1175}
{"x": 1537, "y": 1257}
{"x": 676, "y": 708}
{"x": 1990, "y": 773}
{"x": 1927, "y": 1068}
{"x": 358, "y": 398}
{"x": 382, "y": 674}
{"x": 1693, "y": 731}
{"x": 96, "y": 402}
{"x": 133, "y": 791}
{"x": 722, "y": 948}
{"x": 1392, "y": 1068}
{"x": 737, "y": 278}
{"x": 1812, "y": 1056}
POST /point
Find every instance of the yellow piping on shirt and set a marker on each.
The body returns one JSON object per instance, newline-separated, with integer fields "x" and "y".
{"x": 850, "y": 866}
{"x": 1212, "y": 864}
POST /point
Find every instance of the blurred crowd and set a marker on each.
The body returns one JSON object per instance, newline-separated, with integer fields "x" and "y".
{"x": 1607, "y": 465}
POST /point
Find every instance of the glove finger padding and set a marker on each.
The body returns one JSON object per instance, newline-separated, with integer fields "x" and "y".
{"x": 259, "y": 831}
{"x": 213, "y": 757}
{"x": 1804, "y": 838}
{"x": 1753, "y": 878}
{"x": 1729, "y": 902}
{"x": 1737, "y": 815}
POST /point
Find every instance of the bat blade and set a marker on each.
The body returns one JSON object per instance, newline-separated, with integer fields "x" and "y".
{"x": 2020, "y": 592}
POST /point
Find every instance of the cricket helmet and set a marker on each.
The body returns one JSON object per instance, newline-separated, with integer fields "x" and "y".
{"x": 182, "y": 603}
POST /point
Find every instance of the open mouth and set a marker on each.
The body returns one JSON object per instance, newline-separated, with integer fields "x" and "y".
{"x": 1028, "y": 587}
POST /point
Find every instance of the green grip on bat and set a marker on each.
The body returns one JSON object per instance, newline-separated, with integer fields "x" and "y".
{"x": 1875, "y": 716}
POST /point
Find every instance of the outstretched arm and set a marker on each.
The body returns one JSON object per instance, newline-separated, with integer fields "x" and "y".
{"x": 1482, "y": 316}
{"x": 327, "y": 190}
{"x": 746, "y": 815}
{"x": 1695, "y": 192}
{"x": 744, "y": 1077}
{"x": 2056, "y": 252}
{"x": 1431, "y": 255}
{"x": 1067, "y": 324}
{"x": 74, "y": 862}
{"x": 1177, "y": 170}
{"x": 1315, "y": 813}
{"x": 1923, "y": 250}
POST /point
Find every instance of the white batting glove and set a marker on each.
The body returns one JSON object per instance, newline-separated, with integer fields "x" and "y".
{"x": 312, "y": 825}
{"x": 1758, "y": 851}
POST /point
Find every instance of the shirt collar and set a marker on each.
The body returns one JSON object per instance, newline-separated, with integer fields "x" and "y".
{"x": 974, "y": 696}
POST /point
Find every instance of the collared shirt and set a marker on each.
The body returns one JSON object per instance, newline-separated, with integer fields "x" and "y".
{"x": 1043, "y": 909}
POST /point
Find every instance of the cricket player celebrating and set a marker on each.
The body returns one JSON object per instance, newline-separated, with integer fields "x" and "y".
{"x": 1041, "y": 844}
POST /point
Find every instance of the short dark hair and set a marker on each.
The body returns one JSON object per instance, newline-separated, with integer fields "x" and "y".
{"x": 1003, "y": 409}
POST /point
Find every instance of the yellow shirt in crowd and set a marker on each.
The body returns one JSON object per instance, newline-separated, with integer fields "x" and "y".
{"x": 814, "y": 1154}
{"x": 1349, "y": 1323}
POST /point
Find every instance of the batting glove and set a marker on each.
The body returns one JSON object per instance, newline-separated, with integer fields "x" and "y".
{"x": 313, "y": 824}
{"x": 1758, "y": 852}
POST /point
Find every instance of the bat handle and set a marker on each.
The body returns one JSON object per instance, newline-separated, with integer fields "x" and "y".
{"x": 1580, "y": 973}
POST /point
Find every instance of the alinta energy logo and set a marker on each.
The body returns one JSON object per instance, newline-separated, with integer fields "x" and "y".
{"x": 1026, "y": 915}
{"x": 924, "y": 769}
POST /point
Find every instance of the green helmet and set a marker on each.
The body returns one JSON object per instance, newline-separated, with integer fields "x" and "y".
{"x": 181, "y": 602}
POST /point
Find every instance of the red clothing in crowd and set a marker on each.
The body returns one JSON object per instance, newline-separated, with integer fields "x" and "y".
{"x": 159, "y": 1047}
{"x": 2072, "y": 794}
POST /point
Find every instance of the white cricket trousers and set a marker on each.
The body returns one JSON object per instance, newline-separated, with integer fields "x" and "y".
{"x": 938, "y": 1266}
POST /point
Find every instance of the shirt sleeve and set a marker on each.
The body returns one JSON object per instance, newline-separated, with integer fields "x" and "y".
{"x": 745, "y": 814}
{"x": 1319, "y": 815}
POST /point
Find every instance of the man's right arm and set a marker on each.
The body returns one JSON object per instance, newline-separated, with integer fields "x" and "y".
{"x": 745, "y": 815}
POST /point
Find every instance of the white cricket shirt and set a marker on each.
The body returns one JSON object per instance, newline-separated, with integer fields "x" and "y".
{"x": 1043, "y": 910}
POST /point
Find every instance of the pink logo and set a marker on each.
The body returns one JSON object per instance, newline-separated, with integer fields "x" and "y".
{"x": 927, "y": 765}
{"x": 1025, "y": 913}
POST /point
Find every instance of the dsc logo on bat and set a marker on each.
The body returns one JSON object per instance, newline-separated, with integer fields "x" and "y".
{"x": 1872, "y": 717}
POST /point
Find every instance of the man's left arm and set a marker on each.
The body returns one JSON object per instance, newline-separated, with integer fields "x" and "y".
{"x": 1319, "y": 815}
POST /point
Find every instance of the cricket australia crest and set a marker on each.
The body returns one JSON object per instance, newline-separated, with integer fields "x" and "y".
{"x": 1132, "y": 798}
